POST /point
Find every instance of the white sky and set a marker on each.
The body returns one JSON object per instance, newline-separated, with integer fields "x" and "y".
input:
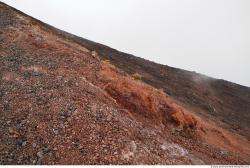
{"x": 207, "y": 36}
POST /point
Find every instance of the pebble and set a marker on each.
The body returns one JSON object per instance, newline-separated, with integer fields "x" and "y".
{"x": 46, "y": 149}
{"x": 40, "y": 154}
{"x": 195, "y": 161}
{"x": 55, "y": 131}
{"x": 34, "y": 145}
{"x": 12, "y": 131}
{"x": 21, "y": 142}
{"x": 40, "y": 157}
{"x": 39, "y": 161}
{"x": 10, "y": 160}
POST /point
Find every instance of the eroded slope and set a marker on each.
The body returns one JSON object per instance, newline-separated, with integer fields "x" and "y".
{"x": 60, "y": 104}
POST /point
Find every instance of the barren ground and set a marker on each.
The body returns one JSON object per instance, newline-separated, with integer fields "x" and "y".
{"x": 67, "y": 100}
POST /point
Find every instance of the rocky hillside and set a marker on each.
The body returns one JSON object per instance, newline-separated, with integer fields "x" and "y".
{"x": 67, "y": 100}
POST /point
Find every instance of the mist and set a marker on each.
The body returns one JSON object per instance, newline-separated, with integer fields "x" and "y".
{"x": 207, "y": 36}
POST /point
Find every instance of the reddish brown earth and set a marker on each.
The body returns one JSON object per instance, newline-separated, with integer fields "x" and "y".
{"x": 67, "y": 100}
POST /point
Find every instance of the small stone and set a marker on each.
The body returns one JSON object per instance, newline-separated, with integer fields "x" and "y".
{"x": 12, "y": 131}
{"x": 179, "y": 129}
{"x": 39, "y": 161}
{"x": 55, "y": 131}
{"x": 80, "y": 147}
{"x": 173, "y": 130}
{"x": 24, "y": 143}
{"x": 21, "y": 142}
{"x": 10, "y": 160}
{"x": 224, "y": 153}
{"x": 50, "y": 154}
{"x": 34, "y": 145}
{"x": 40, "y": 154}
{"x": 195, "y": 161}
{"x": 46, "y": 149}
{"x": 109, "y": 117}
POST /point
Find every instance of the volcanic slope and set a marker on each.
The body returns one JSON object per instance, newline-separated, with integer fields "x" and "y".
{"x": 67, "y": 100}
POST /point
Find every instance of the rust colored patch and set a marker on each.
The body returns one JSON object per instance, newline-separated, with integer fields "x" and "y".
{"x": 144, "y": 100}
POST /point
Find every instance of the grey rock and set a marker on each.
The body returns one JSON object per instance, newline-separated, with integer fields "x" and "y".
{"x": 34, "y": 145}
{"x": 21, "y": 143}
{"x": 40, "y": 154}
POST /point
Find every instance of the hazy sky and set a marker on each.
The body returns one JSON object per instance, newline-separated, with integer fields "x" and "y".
{"x": 207, "y": 36}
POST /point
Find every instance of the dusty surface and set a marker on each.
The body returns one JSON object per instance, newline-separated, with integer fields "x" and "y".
{"x": 66, "y": 100}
